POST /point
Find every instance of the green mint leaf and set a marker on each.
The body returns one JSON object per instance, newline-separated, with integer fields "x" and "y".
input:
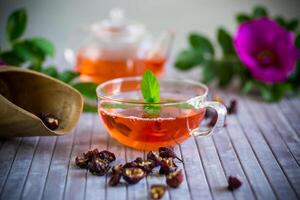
{"x": 225, "y": 41}
{"x": 240, "y": 18}
{"x": 16, "y": 24}
{"x": 68, "y": 76}
{"x": 50, "y": 71}
{"x": 152, "y": 110}
{"x": 150, "y": 88}
{"x": 201, "y": 43}
{"x": 87, "y": 89}
{"x": 188, "y": 59}
{"x": 260, "y": 11}
{"x": 44, "y": 45}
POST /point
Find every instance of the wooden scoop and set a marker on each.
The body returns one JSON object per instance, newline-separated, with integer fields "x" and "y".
{"x": 26, "y": 94}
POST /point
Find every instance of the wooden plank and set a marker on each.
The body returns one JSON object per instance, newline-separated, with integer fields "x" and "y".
{"x": 76, "y": 178}
{"x": 231, "y": 162}
{"x": 213, "y": 169}
{"x": 117, "y": 192}
{"x": 268, "y": 162}
{"x": 287, "y": 133}
{"x": 36, "y": 177}
{"x": 96, "y": 186}
{"x": 7, "y": 156}
{"x": 291, "y": 114}
{"x": 263, "y": 153}
{"x": 139, "y": 190}
{"x": 58, "y": 169}
{"x": 19, "y": 170}
{"x": 282, "y": 154}
{"x": 195, "y": 174}
{"x": 183, "y": 192}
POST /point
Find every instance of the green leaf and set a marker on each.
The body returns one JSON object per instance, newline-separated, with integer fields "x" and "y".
{"x": 43, "y": 45}
{"x": 90, "y": 108}
{"x": 225, "y": 73}
{"x": 240, "y": 18}
{"x": 248, "y": 86}
{"x": 260, "y": 11}
{"x": 27, "y": 51}
{"x": 209, "y": 71}
{"x": 16, "y": 24}
{"x": 67, "y": 76}
{"x": 225, "y": 41}
{"x": 11, "y": 58}
{"x": 152, "y": 110}
{"x": 201, "y": 43}
{"x": 150, "y": 88}
{"x": 292, "y": 25}
{"x": 274, "y": 93}
{"x": 297, "y": 41}
{"x": 87, "y": 89}
{"x": 50, "y": 71}
{"x": 281, "y": 21}
{"x": 187, "y": 59}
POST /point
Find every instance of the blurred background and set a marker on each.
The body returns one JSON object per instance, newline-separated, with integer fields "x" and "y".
{"x": 58, "y": 19}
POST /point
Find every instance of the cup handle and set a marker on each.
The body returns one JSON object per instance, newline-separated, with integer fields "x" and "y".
{"x": 221, "y": 112}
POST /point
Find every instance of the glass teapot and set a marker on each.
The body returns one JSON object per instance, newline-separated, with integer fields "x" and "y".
{"x": 117, "y": 47}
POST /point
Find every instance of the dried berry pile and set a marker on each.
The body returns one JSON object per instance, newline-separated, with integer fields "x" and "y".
{"x": 99, "y": 163}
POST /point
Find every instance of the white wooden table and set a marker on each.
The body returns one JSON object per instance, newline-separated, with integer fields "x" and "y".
{"x": 260, "y": 145}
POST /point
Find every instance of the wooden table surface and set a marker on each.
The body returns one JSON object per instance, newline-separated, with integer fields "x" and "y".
{"x": 260, "y": 145}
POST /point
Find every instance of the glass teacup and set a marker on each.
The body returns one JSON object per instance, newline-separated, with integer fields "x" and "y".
{"x": 145, "y": 126}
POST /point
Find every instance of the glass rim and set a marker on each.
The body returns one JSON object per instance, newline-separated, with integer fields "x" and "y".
{"x": 101, "y": 86}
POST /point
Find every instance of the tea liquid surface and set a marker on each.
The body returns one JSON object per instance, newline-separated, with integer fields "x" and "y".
{"x": 100, "y": 68}
{"x": 135, "y": 128}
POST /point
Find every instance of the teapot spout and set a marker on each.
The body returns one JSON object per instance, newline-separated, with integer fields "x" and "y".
{"x": 162, "y": 46}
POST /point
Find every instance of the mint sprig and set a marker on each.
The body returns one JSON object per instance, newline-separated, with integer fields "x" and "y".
{"x": 151, "y": 93}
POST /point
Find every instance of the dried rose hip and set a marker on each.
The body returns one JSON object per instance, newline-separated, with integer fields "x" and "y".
{"x": 98, "y": 166}
{"x": 117, "y": 169}
{"x": 115, "y": 179}
{"x": 81, "y": 161}
{"x": 218, "y": 98}
{"x": 50, "y": 121}
{"x": 213, "y": 120}
{"x": 233, "y": 183}
{"x": 133, "y": 175}
{"x": 146, "y": 165}
{"x": 154, "y": 157}
{"x": 166, "y": 152}
{"x": 130, "y": 164}
{"x": 157, "y": 191}
{"x": 167, "y": 166}
{"x": 233, "y": 107}
{"x": 138, "y": 160}
{"x": 174, "y": 179}
{"x": 92, "y": 154}
{"x": 107, "y": 155}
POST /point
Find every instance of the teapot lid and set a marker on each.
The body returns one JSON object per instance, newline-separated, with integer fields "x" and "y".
{"x": 118, "y": 29}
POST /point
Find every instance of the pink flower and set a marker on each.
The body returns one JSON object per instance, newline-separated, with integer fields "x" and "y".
{"x": 266, "y": 49}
